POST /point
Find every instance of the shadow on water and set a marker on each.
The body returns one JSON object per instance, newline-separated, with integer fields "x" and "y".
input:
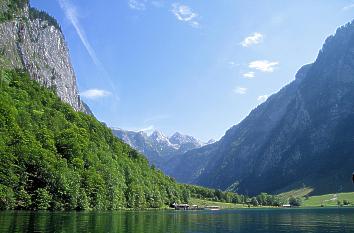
{"x": 254, "y": 220}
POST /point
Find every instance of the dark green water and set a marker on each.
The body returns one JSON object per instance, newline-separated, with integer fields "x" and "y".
{"x": 248, "y": 221}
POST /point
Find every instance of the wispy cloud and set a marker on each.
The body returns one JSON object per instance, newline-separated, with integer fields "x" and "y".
{"x": 262, "y": 98}
{"x": 249, "y": 75}
{"x": 137, "y": 4}
{"x": 263, "y": 65}
{"x": 240, "y": 90}
{"x": 253, "y": 39}
{"x": 95, "y": 93}
{"x": 141, "y": 5}
{"x": 186, "y": 14}
{"x": 146, "y": 129}
{"x": 71, "y": 14}
{"x": 348, "y": 7}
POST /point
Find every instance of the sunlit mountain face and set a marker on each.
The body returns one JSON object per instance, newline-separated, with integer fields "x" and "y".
{"x": 301, "y": 136}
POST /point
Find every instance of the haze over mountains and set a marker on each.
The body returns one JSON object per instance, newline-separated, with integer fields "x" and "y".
{"x": 157, "y": 147}
{"x": 301, "y": 136}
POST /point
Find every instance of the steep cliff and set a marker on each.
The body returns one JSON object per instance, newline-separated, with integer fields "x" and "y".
{"x": 32, "y": 40}
{"x": 301, "y": 136}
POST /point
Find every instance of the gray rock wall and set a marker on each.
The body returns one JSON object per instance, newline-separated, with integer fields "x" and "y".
{"x": 41, "y": 49}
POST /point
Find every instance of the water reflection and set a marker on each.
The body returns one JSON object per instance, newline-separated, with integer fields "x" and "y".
{"x": 261, "y": 220}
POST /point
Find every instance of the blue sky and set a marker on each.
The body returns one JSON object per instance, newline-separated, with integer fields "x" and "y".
{"x": 193, "y": 66}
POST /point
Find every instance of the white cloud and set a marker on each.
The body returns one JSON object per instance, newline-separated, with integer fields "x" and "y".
{"x": 263, "y": 65}
{"x": 253, "y": 39}
{"x": 95, "y": 93}
{"x": 184, "y": 13}
{"x": 348, "y": 7}
{"x": 249, "y": 75}
{"x": 240, "y": 90}
{"x": 137, "y": 4}
{"x": 72, "y": 16}
{"x": 262, "y": 98}
{"x": 147, "y": 129}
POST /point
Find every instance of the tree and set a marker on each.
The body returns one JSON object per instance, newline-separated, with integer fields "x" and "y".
{"x": 254, "y": 201}
{"x": 262, "y": 199}
{"x": 42, "y": 199}
{"x": 52, "y": 157}
{"x": 295, "y": 201}
{"x": 7, "y": 198}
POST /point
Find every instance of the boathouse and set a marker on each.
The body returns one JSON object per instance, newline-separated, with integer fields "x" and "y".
{"x": 180, "y": 206}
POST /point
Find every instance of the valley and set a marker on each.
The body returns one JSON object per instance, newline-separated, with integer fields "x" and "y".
{"x": 55, "y": 154}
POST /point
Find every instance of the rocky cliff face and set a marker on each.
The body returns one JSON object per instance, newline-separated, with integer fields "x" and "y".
{"x": 301, "y": 136}
{"x": 31, "y": 42}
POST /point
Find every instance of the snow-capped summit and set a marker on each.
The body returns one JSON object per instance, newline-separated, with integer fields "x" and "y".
{"x": 158, "y": 147}
{"x": 180, "y": 139}
{"x": 211, "y": 141}
{"x": 158, "y": 136}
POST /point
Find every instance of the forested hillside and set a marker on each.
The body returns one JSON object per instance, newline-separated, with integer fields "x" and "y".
{"x": 52, "y": 157}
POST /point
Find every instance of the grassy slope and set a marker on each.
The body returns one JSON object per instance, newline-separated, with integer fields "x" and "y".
{"x": 295, "y": 193}
{"x": 223, "y": 205}
{"x": 315, "y": 201}
{"x": 328, "y": 199}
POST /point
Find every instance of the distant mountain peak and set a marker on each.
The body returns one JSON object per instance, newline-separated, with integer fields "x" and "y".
{"x": 158, "y": 136}
{"x": 180, "y": 139}
{"x": 158, "y": 147}
{"x": 211, "y": 141}
{"x": 177, "y": 135}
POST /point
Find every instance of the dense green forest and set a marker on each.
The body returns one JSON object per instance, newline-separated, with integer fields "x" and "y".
{"x": 52, "y": 157}
{"x": 262, "y": 199}
{"x": 10, "y": 8}
{"x": 44, "y": 16}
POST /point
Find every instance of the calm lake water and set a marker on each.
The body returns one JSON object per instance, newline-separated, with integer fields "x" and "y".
{"x": 248, "y": 221}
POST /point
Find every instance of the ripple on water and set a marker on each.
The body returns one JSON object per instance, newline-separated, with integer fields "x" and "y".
{"x": 230, "y": 221}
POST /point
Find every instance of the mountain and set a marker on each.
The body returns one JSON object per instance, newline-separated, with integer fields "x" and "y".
{"x": 301, "y": 136}
{"x": 52, "y": 155}
{"x": 32, "y": 40}
{"x": 157, "y": 147}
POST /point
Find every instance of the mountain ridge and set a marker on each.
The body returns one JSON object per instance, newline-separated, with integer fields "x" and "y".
{"x": 157, "y": 147}
{"x": 288, "y": 140}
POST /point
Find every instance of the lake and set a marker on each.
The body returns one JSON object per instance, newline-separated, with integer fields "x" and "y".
{"x": 245, "y": 220}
